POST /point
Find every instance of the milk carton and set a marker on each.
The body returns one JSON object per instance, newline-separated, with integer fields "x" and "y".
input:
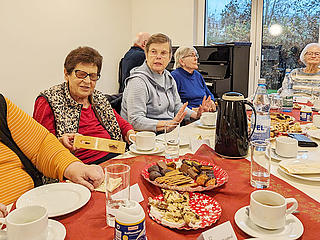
{"x": 130, "y": 222}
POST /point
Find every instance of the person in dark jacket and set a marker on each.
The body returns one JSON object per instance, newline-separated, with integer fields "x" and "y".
{"x": 133, "y": 58}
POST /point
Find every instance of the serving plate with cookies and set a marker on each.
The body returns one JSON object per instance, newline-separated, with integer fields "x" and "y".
{"x": 282, "y": 124}
{"x": 184, "y": 210}
{"x": 185, "y": 175}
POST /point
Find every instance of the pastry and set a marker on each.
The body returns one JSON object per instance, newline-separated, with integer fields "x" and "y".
{"x": 154, "y": 174}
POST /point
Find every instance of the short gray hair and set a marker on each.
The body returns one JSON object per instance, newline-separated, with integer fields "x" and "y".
{"x": 304, "y": 51}
{"x": 181, "y": 53}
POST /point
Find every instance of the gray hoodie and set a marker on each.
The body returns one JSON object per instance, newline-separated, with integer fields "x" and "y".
{"x": 149, "y": 97}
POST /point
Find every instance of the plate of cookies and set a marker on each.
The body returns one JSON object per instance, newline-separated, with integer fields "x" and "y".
{"x": 184, "y": 210}
{"x": 283, "y": 124}
{"x": 185, "y": 175}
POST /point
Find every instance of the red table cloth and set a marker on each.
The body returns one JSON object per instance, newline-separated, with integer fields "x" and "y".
{"x": 89, "y": 222}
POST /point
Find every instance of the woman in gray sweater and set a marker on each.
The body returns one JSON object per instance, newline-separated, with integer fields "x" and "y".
{"x": 150, "y": 99}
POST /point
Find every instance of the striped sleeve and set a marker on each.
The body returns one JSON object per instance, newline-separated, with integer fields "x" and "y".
{"x": 44, "y": 150}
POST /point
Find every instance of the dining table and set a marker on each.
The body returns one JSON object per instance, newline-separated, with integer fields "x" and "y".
{"x": 89, "y": 222}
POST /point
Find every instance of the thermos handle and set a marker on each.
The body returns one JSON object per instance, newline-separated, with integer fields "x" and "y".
{"x": 255, "y": 117}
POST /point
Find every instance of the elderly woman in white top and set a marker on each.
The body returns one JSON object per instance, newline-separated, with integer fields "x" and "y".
{"x": 306, "y": 81}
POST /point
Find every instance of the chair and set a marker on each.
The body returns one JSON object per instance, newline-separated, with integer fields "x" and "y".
{"x": 120, "y": 80}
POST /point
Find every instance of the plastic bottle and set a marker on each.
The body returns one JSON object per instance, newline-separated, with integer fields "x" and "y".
{"x": 287, "y": 93}
{"x": 130, "y": 222}
{"x": 261, "y": 103}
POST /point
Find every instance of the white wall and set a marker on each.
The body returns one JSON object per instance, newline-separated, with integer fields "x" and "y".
{"x": 174, "y": 18}
{"x": 36, "y": 36}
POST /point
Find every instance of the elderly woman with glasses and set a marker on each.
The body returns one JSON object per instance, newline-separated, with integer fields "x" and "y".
{"x": 190, "y": 83}
{"x": 76, "y": 107}
{"x": 306, "y": 81}
{"x": 150, "y": 99}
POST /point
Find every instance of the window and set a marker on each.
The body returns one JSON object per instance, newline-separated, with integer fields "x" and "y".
{"x": 228, "y": 21}
{"x": 285, "y": 28}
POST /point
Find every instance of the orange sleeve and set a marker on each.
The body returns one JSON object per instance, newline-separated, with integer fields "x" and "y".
{"x": 44, "y": 150}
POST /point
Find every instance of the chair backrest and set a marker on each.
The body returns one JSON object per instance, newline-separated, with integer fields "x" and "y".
{"x": 120, "y": 80}
{"x": 115, "y": 101}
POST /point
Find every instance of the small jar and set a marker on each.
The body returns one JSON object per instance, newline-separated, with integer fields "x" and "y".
{"x": 306, "y": 115}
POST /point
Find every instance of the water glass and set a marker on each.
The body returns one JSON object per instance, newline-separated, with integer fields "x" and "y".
{"x": 117, "y": 189}
{"x": 172, "y": 140}
{"x": 260, "y": 164}
{"x": 275, "y": 101}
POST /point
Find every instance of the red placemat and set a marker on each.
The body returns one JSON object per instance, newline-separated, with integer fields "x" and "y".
{"x": 89, "y": 221}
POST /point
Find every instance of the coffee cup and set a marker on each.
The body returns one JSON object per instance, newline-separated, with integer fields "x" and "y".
{"x": 316, "y": 120}
{"x": 286, "y": 146}
{"x": 268, "y": 209}
{"x": 143, "y": 140}
{"x": 316, "y": 104}
{"x": 26, "y": 223}
{"x": 208, "y": 118}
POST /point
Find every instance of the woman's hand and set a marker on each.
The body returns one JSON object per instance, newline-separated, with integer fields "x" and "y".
{"x": 207, "y": 106}
{"x": 181, "y": 113}
{"x": 90, "y": 176}
{"x": 3, "y": 211}
{"x": 126, "y": 138}
{"x": 67, "y": 141}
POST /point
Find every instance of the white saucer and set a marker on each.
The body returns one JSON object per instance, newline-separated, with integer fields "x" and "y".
{"x": 275, "y": 156}
{"x": 159, "y": 147}
{"x": 56, "y": 230}
{"x": 292, "y": 230}
{"x": 199, "y": 124}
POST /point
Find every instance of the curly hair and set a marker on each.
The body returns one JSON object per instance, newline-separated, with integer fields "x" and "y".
{"x": 82, "y": 55}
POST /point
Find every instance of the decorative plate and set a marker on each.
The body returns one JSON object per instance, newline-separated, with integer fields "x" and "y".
{"x": 205, "y": 206}
{"x": 220, "y": 174}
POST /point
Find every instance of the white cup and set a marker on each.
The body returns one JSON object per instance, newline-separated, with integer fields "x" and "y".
{"x": 26, "y": 223}
{"x": 316, "y": 120}
{"x": 268, "y": 209}
{"x": 286, "y": 146}
{"x": 144, "y": 140}
{"x": 316, "y": 104}
{"x": 208, "y": 118}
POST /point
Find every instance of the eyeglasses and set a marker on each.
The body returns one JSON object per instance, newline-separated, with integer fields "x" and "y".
{"x": 192, "y": 55}
{"x": 82, "y": 74}
{"x": 155, "y": 53}
{"x": 317, "y": 54}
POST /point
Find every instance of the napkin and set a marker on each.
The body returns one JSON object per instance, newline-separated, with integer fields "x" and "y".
{"x": 299, "y": 167}
{"x": 135, "y": 192}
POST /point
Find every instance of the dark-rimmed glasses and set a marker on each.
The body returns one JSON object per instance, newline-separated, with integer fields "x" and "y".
{"x": 82, "y": 74}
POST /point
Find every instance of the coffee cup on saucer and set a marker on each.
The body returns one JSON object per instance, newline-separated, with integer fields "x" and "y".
{"x": 268, "y": 209}
{"x": 26, "y": 223}
{"x": 316, "y": 104}
{"x": 286, "y": 147}
{"x": 316, "y": 120}
{"x": 144, "y": 141}
{"x": 208, "y": 118}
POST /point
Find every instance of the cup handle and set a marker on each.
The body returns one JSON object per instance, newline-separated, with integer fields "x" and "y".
{"x": 3, "y": 232}
{"x": 293, "y": 207}
{"x": 131, "y": 140}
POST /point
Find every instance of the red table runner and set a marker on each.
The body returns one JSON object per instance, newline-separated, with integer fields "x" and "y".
{"x": 89, "y": 222}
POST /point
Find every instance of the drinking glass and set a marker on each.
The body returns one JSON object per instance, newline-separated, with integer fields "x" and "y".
{"x": 117, "y": 189}
{"x": 260, "y": 164}
{"x": 172, "y": 140}
{"x": 275, "y": 101}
